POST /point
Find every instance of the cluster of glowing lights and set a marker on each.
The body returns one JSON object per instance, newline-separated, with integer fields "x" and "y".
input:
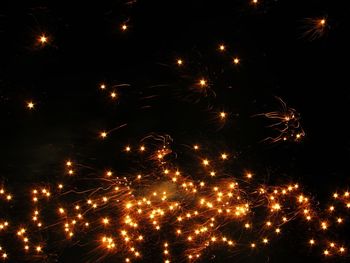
{"x": 197, "y": 213}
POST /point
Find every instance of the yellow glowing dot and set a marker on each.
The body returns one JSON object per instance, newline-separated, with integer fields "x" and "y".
{"x": 339, "y": 220}
{"x": 252, "y": 245}
{"x": 70, "y": 172}
{"x": 105, "y": 221}
{"x": 326, "y": 252}
{"x": 43, "y": 39}
{"x": 236, "y": 61}
{"x": 341, "y": 249}
{"x": 203, "y": 83}
{"x": 124, "y": 27}
{"x": 30, "y": 105}
{"x": 38, "y": 248}
{"x": 247, "y": 225}
{"x": 223, "y": 115}
{"x": 255, "y": 1}
{"x": 4, "y": 255}
{"x": 179, "y": 62}
{"x": 196, "y": 147}
{"x": 8, "y": 197}
{"x": 127, "y": 148}
{"x": 102, "y": 86}
{"x": 103, "y": 134}
{"x": 278, "y": 230}
{"x": 212, "y": 173}
{"x": 265, "y": 241}
{"x": 224, "y": 156}
{"x": 312, "y": 242}
{"x": 205, "y": 162}
{"x": 113, "y": 95}
{"x": 222, "y": 47}
{"x": 109, "y": 173}
{"x": 322, "y": 22}
{"x": 249, "y": 175}
{"x": 142, "y": 148}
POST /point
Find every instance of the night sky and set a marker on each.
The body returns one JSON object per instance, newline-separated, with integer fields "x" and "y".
{"x": 86, "y": 47}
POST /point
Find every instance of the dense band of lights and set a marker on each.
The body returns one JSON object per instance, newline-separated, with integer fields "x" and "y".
{"x": 194, "y": 211}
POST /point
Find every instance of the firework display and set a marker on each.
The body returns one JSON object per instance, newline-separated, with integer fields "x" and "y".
{"x": 152, "y": 195}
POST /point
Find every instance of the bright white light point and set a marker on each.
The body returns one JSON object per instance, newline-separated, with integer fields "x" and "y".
{"x": 236, "y": 61}
{"x": 205, "y": 162}
{"x": 203, "y": 83}
{"x": 222, "y": 115}
{"x": 30, "y": 105}
{"x": 222, "y": 48}
{"x": 322, "y": 22}
{"x": 179, "y": 62}
{"x": 43, "y": 39}
{"x": 113, "y": 95}
{"x": 196, "y": 147}
{"x": 124, "y": 27}
{"x": 142, "y": 148}
{"x": 255, "y": 1}
{"x": 224, "y": 156}
{"x": 249, "y": 175}
{"x": 109, "y": 173}
{"x": 103, "y": 134}
{"x": 102, "y": 86}
{"x": 127, "y": 148}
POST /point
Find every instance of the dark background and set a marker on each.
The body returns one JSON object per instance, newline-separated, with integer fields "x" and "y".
{"x": 87, "y": 47}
